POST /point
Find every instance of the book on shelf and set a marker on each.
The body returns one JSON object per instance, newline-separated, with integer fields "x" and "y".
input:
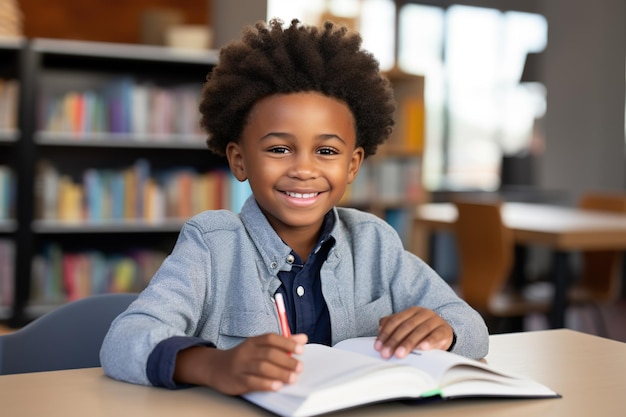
{"x": 7, "y": 192}
{"x": 134, "y": 193}
{"x": 142, "y": 111}
{"x": 352, "y": 374}
{"x": 46, "y": 191}
{"x": 408, "y": 134}
{"x": 7, "y": 271}
{"x": 70, "y": 203}
{"x": 60, "y": 275}
{"x": 391, "y": 180}
{"x": 9, "y": 93}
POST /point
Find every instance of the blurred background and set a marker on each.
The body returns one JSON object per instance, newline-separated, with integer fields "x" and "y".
{"x": 523, "y": 99}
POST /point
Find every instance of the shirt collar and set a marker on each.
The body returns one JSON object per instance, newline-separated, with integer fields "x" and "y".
{"x": 271, "y": 247}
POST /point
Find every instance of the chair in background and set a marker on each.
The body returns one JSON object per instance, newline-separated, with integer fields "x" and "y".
{"x": 601, "y": 271}
{"x": 68, "y": 337}
{"x": 486, "y": 253}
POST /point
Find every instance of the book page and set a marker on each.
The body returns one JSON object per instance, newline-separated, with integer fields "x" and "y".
{"x": 325, "y": 366}
{"x": 455, "y": 375}
{"x": 334, "y": 379}
{"x": 352, "y": 373}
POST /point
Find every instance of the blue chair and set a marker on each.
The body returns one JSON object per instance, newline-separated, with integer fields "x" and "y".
{"x": 68, "y": 337}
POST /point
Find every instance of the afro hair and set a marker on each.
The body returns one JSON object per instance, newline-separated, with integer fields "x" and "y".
{"x": 270, "y": 59}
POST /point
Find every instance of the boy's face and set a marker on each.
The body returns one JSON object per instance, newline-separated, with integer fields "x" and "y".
{"x": 298, "y": 153}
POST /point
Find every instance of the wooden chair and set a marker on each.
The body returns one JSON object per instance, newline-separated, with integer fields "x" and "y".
{"x": 68, "y": 337}
{"x": 486, "y": 253}
{"x": 601, "y": 271}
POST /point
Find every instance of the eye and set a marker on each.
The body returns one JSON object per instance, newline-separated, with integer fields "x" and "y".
{"x": 278, "y": 149}
{"x": 327, "y": 151}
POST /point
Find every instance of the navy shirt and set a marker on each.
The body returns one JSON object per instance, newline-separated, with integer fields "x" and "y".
{"x": 302, "y": 290}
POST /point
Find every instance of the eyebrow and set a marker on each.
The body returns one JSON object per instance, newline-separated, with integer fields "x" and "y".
{"x": 285, "y": 135}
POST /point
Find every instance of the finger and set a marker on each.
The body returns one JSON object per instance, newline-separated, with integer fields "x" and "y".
{"x": 263, "y": 359}
{"x": 439, "y": 338}
{"x": 388, "y": 324}
{"x": 424, "y": 336}
{"x": 300, "y": 340}
{"x": 419, "y": 328}
{"x": 247, "y": 383}
{"x": 282, "y": 368}
{"x": 395, "y": 331}
{"x": 293, "y": 344}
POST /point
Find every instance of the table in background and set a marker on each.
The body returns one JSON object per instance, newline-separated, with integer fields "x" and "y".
{"x": 562, "y": 229}
{"x": 588, "y": 371}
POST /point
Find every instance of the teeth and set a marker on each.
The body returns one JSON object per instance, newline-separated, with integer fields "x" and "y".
{"x": 300, "y": 195}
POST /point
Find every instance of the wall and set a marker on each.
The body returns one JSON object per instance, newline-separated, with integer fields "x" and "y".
{"x": 230, "y": 16}
{"x": 584, "y": 75}
{"x": 101, "y": 20}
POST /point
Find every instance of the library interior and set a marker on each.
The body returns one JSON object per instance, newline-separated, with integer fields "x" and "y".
{"x": 505, "y": 173}
{"x": 505, "y": 107}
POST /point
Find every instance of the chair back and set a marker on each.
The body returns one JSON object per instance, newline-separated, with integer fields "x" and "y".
{"x": 486, "y": 251}
{"x": 601, "y": 270}
{"x": 68, "y": 337}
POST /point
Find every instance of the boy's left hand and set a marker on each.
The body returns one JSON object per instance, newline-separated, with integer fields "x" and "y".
{"x": 415, "y": 327}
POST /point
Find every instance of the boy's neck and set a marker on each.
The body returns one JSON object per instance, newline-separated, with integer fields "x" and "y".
{"x": 301, "y": 242}
{"x": 302, "y": 247}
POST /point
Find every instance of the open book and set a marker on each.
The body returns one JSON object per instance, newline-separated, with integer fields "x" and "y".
{"x": 352, "y": 373}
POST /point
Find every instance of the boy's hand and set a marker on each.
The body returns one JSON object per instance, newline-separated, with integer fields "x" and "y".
{"x": 415, "y": 327}
{"x": 260, "y": 363}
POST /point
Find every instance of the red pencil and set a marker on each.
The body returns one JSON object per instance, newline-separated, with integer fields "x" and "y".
{"x": 282, "y": 315}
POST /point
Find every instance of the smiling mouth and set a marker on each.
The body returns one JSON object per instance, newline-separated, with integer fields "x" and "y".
{"x": 301, "y": 195}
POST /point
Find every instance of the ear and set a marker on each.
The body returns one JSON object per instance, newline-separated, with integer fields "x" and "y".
{"x": 358, "y": 155}
{"x": 235, "y": 161}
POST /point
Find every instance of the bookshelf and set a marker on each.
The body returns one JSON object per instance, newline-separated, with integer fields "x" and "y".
{"x": 111, "y": 160}
{"x": 77, "y": 150}
{"x": 390, "y": 182}
{"x": 11, "y": 50}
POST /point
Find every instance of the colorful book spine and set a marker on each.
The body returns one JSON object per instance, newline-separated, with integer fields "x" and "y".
{"x": 7, "y": 193}
{"x": 61, "y": 276}
{"x": 135, "y": 193}
{"x": 9, "y": 94}
{"x": 122, "y": 106}
{"x": 7, "y": 272}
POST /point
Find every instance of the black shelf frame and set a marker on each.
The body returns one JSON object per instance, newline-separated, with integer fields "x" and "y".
{"x": 33, "y": 58}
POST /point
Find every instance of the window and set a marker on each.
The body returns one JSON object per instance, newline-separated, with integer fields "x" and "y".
{"x": 477, "y": 110}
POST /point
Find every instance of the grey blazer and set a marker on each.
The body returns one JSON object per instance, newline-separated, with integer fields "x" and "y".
{"x": 218, "y": 283}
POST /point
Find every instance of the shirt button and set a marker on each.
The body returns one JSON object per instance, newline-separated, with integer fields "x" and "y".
{"x": 274, "y": 265}
{"x": 290, "y": 259}
{"x": 300, "y": 291}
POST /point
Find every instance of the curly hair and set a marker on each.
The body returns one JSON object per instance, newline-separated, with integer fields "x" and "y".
{"x": 270, "y": 60}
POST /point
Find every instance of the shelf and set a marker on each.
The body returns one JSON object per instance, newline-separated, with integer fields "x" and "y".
{"x": 107, "y": 226}
{"x": 8, "y": 226}
{"x": 9, "y": 136}
{"x": 5, "y": 312}
{"x": 124, "y": 51}
{"x": 121, "y": 140}
{"x": 10, "y": 42}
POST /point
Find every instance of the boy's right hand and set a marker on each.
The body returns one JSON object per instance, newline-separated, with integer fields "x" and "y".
{"x": 260, "y": 363}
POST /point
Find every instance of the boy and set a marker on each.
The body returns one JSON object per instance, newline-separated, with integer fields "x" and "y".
{"x": 295, "y": 110}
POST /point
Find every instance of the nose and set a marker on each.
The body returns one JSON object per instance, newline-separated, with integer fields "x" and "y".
{"x": 304, "y": 166}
